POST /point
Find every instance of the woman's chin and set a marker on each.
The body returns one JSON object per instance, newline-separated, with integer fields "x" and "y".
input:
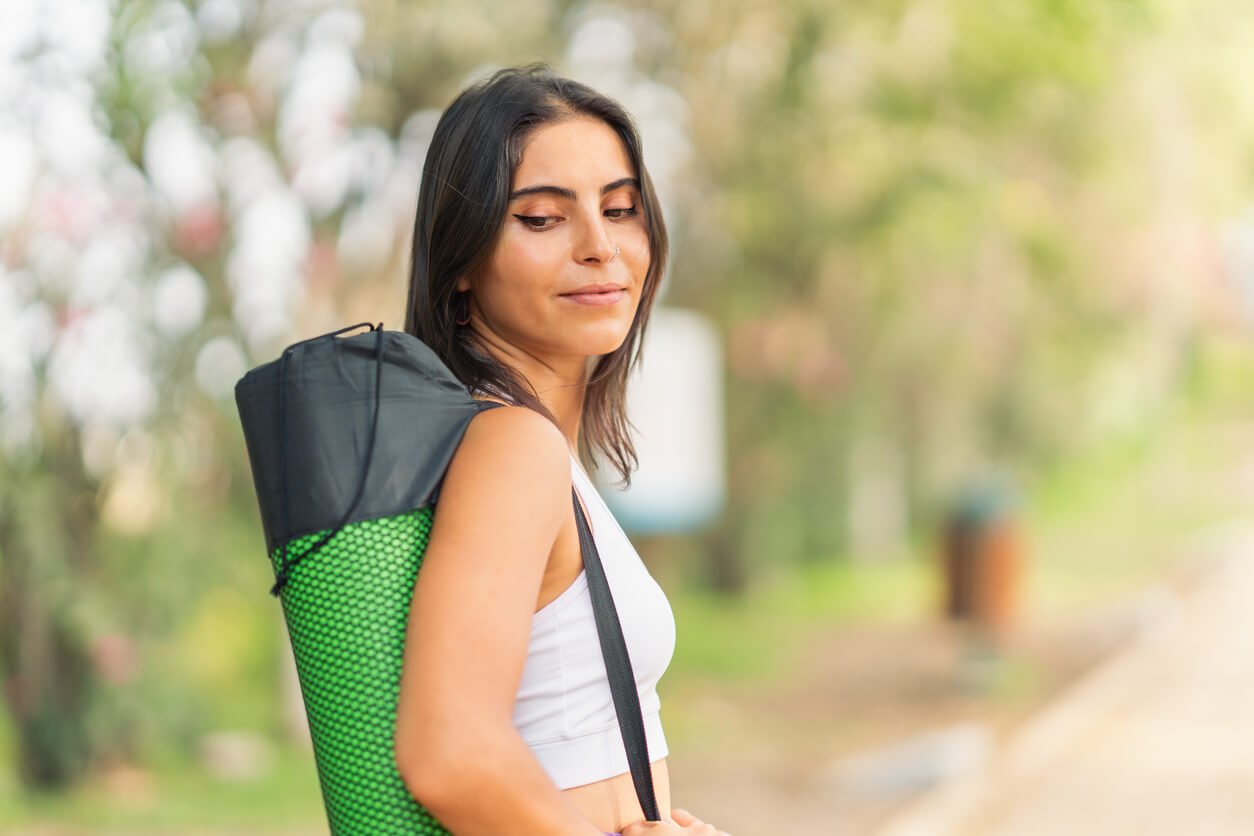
{"x": 596, "y": 342}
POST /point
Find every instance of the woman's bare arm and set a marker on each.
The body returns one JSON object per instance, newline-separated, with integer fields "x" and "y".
{"x": 502, "y": 504}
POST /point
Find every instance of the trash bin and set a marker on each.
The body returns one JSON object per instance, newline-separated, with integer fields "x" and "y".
{"x": 983, "y": 560}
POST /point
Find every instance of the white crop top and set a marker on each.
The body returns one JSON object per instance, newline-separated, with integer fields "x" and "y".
{"x": 564, "y": 709}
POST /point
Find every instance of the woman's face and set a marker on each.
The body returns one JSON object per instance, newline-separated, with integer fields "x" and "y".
{"x": 574, "y": 200}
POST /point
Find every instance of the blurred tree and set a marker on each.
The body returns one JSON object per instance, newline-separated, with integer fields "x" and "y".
{"x": 42, "y": 650}
{"x": 903, "y": 214}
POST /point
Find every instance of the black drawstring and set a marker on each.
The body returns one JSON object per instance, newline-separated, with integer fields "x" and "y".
{"x": 286, "y": 565}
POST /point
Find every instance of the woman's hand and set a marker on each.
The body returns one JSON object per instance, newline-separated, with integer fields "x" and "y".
{"x": 682, "y": 823}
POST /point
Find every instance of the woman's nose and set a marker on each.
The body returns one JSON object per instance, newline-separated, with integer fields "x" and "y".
{"x": 594, "y": 245}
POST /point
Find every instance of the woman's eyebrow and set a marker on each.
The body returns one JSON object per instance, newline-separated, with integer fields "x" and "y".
{"x": 569, "y": 194}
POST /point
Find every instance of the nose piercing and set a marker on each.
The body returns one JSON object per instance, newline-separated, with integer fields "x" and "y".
{"x": 615, "y": 255}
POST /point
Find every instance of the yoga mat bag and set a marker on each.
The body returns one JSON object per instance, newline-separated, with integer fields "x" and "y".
{"x": 349, "y": 439}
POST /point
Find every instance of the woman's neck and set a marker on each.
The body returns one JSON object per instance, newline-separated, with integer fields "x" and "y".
{"x": 561, "y": 386}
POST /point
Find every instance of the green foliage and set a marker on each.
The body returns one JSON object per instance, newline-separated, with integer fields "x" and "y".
{"x": 173, "y": 797}
{"x": 935, "y": 185}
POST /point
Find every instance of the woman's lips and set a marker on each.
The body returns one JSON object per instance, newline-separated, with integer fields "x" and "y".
{"x": 602, "y": 299}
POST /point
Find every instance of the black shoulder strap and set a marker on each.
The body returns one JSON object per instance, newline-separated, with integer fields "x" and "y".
{"x": 618, "y": 666}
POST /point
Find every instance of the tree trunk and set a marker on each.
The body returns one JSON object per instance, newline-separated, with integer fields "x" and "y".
{"x": 47, "y": 541}
{"x": 728, "y": 573}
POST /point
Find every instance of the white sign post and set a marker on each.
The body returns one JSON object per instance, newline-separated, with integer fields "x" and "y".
{"x": 675, "y": 401}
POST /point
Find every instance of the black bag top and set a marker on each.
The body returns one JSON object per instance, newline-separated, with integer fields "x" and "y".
{"x": 311, "y": 415}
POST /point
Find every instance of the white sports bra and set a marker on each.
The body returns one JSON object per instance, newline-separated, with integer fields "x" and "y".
{"x": 563, "y": 708}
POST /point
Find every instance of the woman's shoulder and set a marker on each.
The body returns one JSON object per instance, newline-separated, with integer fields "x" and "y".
{"x": 516, "y": 444}
{"x": 512, "y": 467}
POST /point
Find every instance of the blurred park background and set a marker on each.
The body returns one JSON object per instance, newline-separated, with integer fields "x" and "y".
{"x": 994, "y": 258}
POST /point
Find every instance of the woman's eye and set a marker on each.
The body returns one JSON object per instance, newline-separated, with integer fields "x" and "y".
{"x": 538, "y": 221}
{"x": 549, "y": 221}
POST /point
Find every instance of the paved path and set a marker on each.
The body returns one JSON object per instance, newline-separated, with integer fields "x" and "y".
{"x": 1162, "y": 743}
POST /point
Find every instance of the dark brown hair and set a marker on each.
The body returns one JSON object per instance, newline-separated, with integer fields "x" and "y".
{"x": 462, "y": 203}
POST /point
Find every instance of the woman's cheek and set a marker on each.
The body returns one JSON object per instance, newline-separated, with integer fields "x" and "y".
{"x": 537, "y": 256}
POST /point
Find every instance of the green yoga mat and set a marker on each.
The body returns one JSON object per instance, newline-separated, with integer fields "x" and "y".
{"x": 346, "y": 613}
{"x": 348, "y": 440}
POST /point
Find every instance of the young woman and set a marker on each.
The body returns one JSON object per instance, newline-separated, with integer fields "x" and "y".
{"x": 537, "y": 251}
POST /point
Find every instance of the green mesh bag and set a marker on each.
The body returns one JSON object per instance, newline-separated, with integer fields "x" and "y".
{"x": 346, "y": 614}
{"x": 349, "y": 439}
